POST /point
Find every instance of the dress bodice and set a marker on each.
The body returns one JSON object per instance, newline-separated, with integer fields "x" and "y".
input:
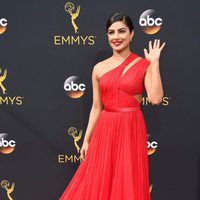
{"x": 118, "y": 87}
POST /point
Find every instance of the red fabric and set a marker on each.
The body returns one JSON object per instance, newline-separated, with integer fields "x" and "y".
{"x": 124, "y": 109}
{"x": 116, "y": 164}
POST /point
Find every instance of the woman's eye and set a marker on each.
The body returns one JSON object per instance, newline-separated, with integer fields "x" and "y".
{"x": 111, "y": 32}
{"x": 122, "y": 31}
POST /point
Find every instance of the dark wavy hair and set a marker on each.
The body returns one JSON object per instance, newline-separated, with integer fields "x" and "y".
{"x": 120, "y": 17}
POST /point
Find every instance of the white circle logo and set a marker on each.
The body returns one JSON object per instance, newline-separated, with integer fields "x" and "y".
{"x": 149, "y": 22}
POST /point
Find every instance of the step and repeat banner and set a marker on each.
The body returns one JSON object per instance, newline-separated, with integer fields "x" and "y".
{"x": 47, "y": 52}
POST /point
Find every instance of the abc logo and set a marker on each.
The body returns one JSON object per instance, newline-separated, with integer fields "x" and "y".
{"x": 149, "y": 22}
{"x": 3, "y": 25}
{"x": 73, "y": 88}
{"x": 152, "y": 145}
{"x": 3, "y": 22}
{"x": 6, "y": 143}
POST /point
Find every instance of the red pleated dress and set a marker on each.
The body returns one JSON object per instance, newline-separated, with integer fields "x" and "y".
{"x": 116, "y": 163}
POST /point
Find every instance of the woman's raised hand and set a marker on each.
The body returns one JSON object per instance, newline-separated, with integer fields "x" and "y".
{"x": 154, "y": 50}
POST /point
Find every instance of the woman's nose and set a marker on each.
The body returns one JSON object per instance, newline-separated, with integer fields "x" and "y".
{"x": 115, "y": 35}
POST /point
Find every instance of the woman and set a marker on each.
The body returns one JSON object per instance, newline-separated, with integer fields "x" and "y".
{"x": 114, "y": 160}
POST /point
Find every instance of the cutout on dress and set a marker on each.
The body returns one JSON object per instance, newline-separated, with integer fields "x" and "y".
{"x": 130, "y": 65}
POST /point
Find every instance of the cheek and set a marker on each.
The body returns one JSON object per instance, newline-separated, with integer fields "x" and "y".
{"x": 125, "y": 36}
{"x": 110, "y": 39}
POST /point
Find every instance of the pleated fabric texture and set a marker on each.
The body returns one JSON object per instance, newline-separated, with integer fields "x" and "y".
{"x": 116, "y": 165}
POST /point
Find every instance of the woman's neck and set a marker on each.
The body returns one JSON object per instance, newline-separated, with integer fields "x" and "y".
{"x": 121, "y": 55}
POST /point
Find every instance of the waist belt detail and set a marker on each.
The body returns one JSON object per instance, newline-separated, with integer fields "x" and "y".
{"x": 122, "y": 109}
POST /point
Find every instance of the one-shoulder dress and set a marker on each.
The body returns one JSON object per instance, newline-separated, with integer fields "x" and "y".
{"x": 116, "y": 166}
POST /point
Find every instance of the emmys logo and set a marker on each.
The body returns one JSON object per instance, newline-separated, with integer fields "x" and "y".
{"x": 152, "y": 146}
{"x": 3, "y": 25}
{"x": 73, "y": 88}
{"x": 73, "y": 13}
{"x": 76, "y": 137}
{"x": 165, "y": 102}
{"x": 2, "y": 78}
{"x": 7, "y": 100}
{"x": 149, "y": 22}
{"x": 69, "y": 8}
{"x": 9, "y": 189}
{"x": 72, "y": 131}
{"x": 6, "y": 146}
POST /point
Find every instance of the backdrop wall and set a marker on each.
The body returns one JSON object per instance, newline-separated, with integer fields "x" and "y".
{"x": 46, "y": 63}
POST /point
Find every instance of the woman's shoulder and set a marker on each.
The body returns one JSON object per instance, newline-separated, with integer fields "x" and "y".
{"x": 99, "y": 68}
{"x": 142, "y": 59}
{"x": 139, "y": 56}
{"x": 103, "y": 63}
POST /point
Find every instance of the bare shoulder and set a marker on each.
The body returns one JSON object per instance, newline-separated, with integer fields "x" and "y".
{"x": 102, "y": 63}
{"x": 101, "y": 66}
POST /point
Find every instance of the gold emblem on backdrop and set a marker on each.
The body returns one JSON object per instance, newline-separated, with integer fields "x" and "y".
{"x": 73, "y": 11}
{"x": 5, "y": 99}
{"x": 69, "y": 8}
{"x": 73, "y": 158}
{"x": 9, "y": 189}
{"x": 72, "y": 131}
{"x": 3, "y": 76}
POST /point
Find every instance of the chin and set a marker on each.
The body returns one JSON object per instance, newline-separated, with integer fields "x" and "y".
{"x": 118, "y": 49}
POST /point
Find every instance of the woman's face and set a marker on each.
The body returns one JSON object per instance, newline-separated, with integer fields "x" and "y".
{"x": 119, "y": 36}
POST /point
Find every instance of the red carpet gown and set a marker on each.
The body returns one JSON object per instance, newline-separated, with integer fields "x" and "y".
{"x": 116, "y": 163}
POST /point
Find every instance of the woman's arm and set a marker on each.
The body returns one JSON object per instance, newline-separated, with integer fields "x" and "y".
{"x": 152, "y": 79}
{"x": 153, "y": 84}
{"x": 97, "y": 105}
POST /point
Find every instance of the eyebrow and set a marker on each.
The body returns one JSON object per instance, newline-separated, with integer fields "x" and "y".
{"x": 118, "y": 29}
